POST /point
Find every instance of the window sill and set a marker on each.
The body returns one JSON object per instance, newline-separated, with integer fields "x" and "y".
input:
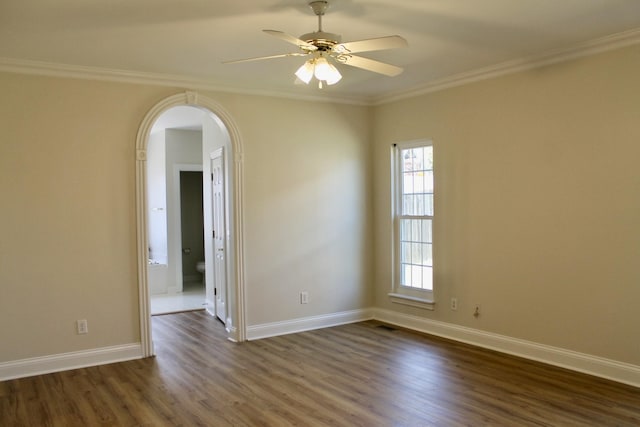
{"x": 423, "y": 303}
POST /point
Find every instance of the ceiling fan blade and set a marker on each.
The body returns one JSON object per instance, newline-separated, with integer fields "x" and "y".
{"x": 381, "y": 43}
{"x": 260, "y": 58}
{"x": 290, "y": 39}
{"x": 371, "y": 65}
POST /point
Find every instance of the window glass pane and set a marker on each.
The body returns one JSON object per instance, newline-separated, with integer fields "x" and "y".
{"x": 407, "y": 160}
{"x": 428, "y": 205}
{"x": 425, "y": 252}
{"x": 407, "y": 205}
{"x": 405, "y": 280}
{"x": 405, "y": 252}
{"x": 416, "y": 230}
{"x": 405, "y": 230}
{"x": 425, "y": 225}
{"x": 427, "y": 278}
{"x": 414, "y": 207}
{"x": 418, "y": 159}
{"x": 418, "y": 183}
{"x": 427, "y": 182}
{"x": 428, "y": 158}
{"x": 407, "y": 183}
{"x": 416, "y": 276}
{"x": 416, "y": 253}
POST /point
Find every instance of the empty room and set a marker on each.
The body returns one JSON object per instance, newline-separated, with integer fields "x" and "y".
{"x": 344, "y": 212}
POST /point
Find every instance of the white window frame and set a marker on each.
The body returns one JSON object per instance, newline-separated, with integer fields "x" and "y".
{"x": 405, "y": 295}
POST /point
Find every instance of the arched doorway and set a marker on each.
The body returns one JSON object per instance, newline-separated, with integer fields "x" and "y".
{"x": 236, "y": 326}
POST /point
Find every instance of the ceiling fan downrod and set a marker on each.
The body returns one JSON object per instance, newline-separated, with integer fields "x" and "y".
{"x": 322, "y": 41}
{"x": 319, "y": 8}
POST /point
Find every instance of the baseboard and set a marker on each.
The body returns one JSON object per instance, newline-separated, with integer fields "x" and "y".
{"x": 605, "y": 368}
{"x": 66, "y": 361}
{"x": 266, "y": 330}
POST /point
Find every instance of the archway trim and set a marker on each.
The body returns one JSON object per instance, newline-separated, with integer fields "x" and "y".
{"x": 237, "y": 331}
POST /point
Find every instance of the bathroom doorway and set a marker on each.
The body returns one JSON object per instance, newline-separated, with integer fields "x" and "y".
{"x": 175, "y": 212}
{"x": 189, "y": 292}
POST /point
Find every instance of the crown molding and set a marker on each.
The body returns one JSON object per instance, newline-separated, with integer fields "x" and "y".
{"x": 603, "y": 44}
{"x": 51, "y": 69}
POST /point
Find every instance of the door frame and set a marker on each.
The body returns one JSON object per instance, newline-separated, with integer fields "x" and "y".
{"x": 236, "y": 310}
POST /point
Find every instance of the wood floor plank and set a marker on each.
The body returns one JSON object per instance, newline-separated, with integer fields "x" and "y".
{"x": 363, "y": 374}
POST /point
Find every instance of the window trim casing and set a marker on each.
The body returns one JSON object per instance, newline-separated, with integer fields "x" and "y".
{"x": 404, "y": 295}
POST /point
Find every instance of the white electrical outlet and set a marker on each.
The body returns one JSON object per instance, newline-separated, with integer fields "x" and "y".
{"x": 454, "y": 304}
{"x": 304, "y": 297}
{"x": 82, "y": 327}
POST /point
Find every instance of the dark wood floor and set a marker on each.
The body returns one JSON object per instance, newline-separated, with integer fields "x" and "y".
{"x": 362, "y": 374}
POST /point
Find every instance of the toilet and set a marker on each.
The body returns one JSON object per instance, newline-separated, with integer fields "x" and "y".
{"x": 200, "y": 267}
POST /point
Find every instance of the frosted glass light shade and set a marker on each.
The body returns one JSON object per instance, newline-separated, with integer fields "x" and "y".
{"x": 322, "y": 69}
{"x": 335, "y": 75}
{"x": 305, "y": 73}
{"x": 325, "y": 71}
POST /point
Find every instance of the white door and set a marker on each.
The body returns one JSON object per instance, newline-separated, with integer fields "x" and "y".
{"x": 219, "y": 234}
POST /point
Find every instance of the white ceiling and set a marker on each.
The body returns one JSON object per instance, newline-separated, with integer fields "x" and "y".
{"x": 190, "y": 38}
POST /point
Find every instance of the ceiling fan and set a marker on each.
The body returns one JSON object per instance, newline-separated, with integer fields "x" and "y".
{"x": 323, "y": 48}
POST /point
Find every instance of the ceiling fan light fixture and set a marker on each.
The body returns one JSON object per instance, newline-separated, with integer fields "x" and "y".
{"x": 305, "y": 72}
{"x": 321, "y": 69}
{"x": 320, "y": 46}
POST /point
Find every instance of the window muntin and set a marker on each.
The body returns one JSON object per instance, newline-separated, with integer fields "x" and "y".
{"x": 414, "y": 216}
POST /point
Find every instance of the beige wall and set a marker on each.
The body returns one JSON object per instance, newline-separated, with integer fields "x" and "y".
{"x": 537, "y": 204}
{"x": 307, "y": 208}
{"x": 67, "y": 223}
{"x": 67, "y": 218}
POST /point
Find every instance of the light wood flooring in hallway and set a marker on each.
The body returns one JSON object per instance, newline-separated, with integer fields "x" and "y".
{"x": 363, "y": 374}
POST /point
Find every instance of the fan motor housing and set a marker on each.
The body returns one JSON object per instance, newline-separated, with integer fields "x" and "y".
{"x": 323, "y": 41}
